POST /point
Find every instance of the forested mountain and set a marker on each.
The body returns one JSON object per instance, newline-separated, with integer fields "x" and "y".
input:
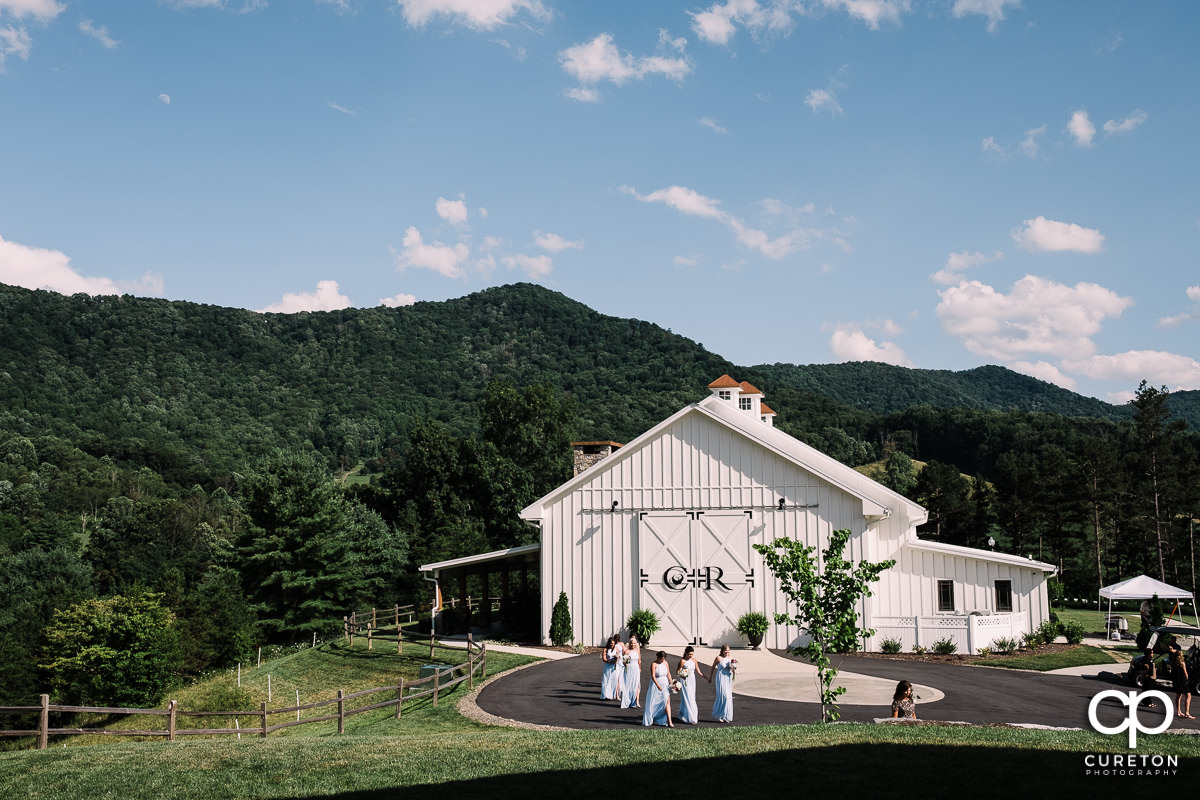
{"x": 184, "y": 462}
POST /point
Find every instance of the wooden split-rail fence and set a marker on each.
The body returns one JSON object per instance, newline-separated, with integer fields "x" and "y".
{"x": 438, "y": 683}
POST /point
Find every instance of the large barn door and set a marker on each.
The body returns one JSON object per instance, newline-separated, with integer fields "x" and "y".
{"x": 724, "y": 545}
{"x": 695, "y": 574}
{"x": 665, "y": 549}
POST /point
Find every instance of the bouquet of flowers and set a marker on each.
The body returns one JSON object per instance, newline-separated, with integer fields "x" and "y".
{"x": 626, "y": 660}
{"x": 683, "y": 673}
{"x": 733, "y": 669}
{"x": 675, "y": 687}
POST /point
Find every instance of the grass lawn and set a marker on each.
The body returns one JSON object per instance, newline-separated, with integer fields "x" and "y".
{"x": 1075, "y": 657}
{"x": 436, "y": 752}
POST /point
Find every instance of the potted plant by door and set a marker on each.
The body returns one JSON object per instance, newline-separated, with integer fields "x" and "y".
{"x": 753, "y": 625}
{"x": 642, "y": 623}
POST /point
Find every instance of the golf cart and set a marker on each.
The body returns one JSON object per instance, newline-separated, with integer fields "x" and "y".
{"x": 1140, "y": 669}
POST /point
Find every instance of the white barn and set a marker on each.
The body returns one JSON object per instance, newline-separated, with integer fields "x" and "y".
{"x": 668, "y": 521}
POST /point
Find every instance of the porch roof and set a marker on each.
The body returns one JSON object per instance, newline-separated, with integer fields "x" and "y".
{"x": 521, "y": 552}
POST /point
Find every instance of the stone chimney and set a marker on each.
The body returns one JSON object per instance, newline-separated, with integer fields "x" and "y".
{"x": 589, "y": 453}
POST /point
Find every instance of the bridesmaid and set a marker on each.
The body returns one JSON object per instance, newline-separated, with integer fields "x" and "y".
{"x": 658, "y": 702}
{"x": 722, "y": 670}
{"x": 632, "y": 675}
{"x": 609, "y": 687}
{"x": 689, "y": 674}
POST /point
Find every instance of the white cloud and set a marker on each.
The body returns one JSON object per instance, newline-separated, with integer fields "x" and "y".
{"x": 246, "y": 6}
{"x": 1038, "y": 317}
{"x": 1029, "y": 145}
{"x": 692, "y": 203}
{"x": 720, "y": 22}
{"x": 1048, "y": 236}
{"x": 1045, "y": 371}
{"x": 490, "y": 243}
{"x": 486, "y": 265}
{"x": 98, "y": 32}
{"x": 1109, "y": 43}
{"x": 992, "y": 9}
{"x": 441, "y": 258}
{"x": 1136, "y": 118}
{"x": 685, "y": 261}
{"x": 851, "y": 343}
{"x": 325, "y": 298}
{"x": 398, "y": 300}
{"x": 1193, "y": 293}
{"x": 957, "y": 263}
{"x": 533, "y": 266}
{"x": 475, "y": 14}
{"x": 820, "y": 98}
{"x": 453, "y": 211}
{"x": 1154, "y": 366}
{"x": 165, "y": 98}
{"x": 583, "y": 95}
{"x": 1081, "y": 128}
{"x": 993, "y": 149}
{"x": 710, "y": 123}
{"x": 555, "y": 243}
{"x": 38, "y": 268}
{"x": 600, "y": 60}
{"x": 872, "y": 12}
{"x": 342, "y": 109}
{"x": 14, "y": 42}
{"x": 42, "y": 10}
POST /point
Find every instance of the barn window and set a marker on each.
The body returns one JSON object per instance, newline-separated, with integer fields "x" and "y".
{"x": 1004, "y": 596}
{"x": 724, "y": 394}
{"x": 744, "y": 403}
{"x": 945, "y": 595}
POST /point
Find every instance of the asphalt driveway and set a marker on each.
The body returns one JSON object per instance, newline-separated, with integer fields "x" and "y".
{"x": 566, "y": 693}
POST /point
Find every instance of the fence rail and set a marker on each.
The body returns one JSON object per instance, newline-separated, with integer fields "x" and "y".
{"x": 475, "y": 665}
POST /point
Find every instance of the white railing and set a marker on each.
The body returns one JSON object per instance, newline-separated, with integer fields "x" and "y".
{"x": 968, "y": 632}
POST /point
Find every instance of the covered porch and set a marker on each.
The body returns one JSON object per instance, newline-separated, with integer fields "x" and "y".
{"x": 488, "y": 593}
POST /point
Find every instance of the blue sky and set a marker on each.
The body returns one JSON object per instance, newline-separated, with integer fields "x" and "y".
{"x": 932, "y": 183}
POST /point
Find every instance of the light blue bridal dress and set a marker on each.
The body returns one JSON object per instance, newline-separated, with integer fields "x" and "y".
{"x": 656, "y": 698}
{"x": 631, "y": 679}
{"x": 723, "y": 705}
{"x": 687, "y": 695}
{"x": 609, "y": 688}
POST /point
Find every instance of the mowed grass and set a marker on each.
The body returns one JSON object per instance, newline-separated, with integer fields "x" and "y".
{"x": 436, "y": 752}
{"x": 1076, "y": 657}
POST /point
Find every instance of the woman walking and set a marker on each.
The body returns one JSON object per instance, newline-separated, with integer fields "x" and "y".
{"x": 631, "y": 676}
{"x": 658, "y": 702}
{"x": 722, "y": 671}
{"x": 688, "y": 673}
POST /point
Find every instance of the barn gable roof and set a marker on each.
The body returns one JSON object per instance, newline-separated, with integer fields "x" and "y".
{"x": 877, "y": 499}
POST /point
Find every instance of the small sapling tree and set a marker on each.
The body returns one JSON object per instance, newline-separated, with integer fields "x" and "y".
{"x": 824, "y": 597}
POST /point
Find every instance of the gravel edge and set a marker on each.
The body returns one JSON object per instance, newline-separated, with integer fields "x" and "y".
{"x": 471, "y": 710}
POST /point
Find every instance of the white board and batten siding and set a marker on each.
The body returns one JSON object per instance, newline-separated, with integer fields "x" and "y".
{"x": 693, "y": 495}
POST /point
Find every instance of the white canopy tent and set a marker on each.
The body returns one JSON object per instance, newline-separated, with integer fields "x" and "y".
{"x": 1143, "y": 587}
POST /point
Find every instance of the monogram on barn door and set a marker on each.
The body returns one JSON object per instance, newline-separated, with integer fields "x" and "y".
{"x": 695, "y": 573}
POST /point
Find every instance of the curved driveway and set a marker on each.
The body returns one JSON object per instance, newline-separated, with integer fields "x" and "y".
{"x": 566, "y": 693}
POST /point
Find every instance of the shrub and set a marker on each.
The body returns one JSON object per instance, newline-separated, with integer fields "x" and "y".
{"x": 1048, "y": 631}
{"x": 890, "y": 646}
{"x": 1005, "y": 644}
{"x": 642, "y": 624}
{"x": 561, "y": 632}
{"x": 1032, "y": 640}
{"x": 945, "y": 647}
{"x": 753, "y": 623}
{"x": 1073, "y": 631}
{"x": 984, "y": 652}
{"x": 916, "y": 648}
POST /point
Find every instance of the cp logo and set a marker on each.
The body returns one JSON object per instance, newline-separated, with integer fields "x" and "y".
{"x": 1131, "y": 699}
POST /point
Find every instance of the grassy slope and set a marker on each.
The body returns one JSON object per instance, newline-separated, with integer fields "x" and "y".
{"x": 436, "y": 752}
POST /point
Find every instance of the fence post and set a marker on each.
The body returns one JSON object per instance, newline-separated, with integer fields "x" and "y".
{"x": 353, "y": 624}
{"x": 399, "y": 697}
{"x": 374, "y": 620}
{"x": 263, "y": 711}
{"x": 470, "y": 668}
{"x": 397, "y": 619}
{"x": 345, "y": 627}
{"x": 437, "y": 683}
{"x": 483, "y": 656}
{"x": 370, "y": 643}
{"x": 171, "y": 720}
{"x": 44, "y": 724}
{"x": 341, "y": 711}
